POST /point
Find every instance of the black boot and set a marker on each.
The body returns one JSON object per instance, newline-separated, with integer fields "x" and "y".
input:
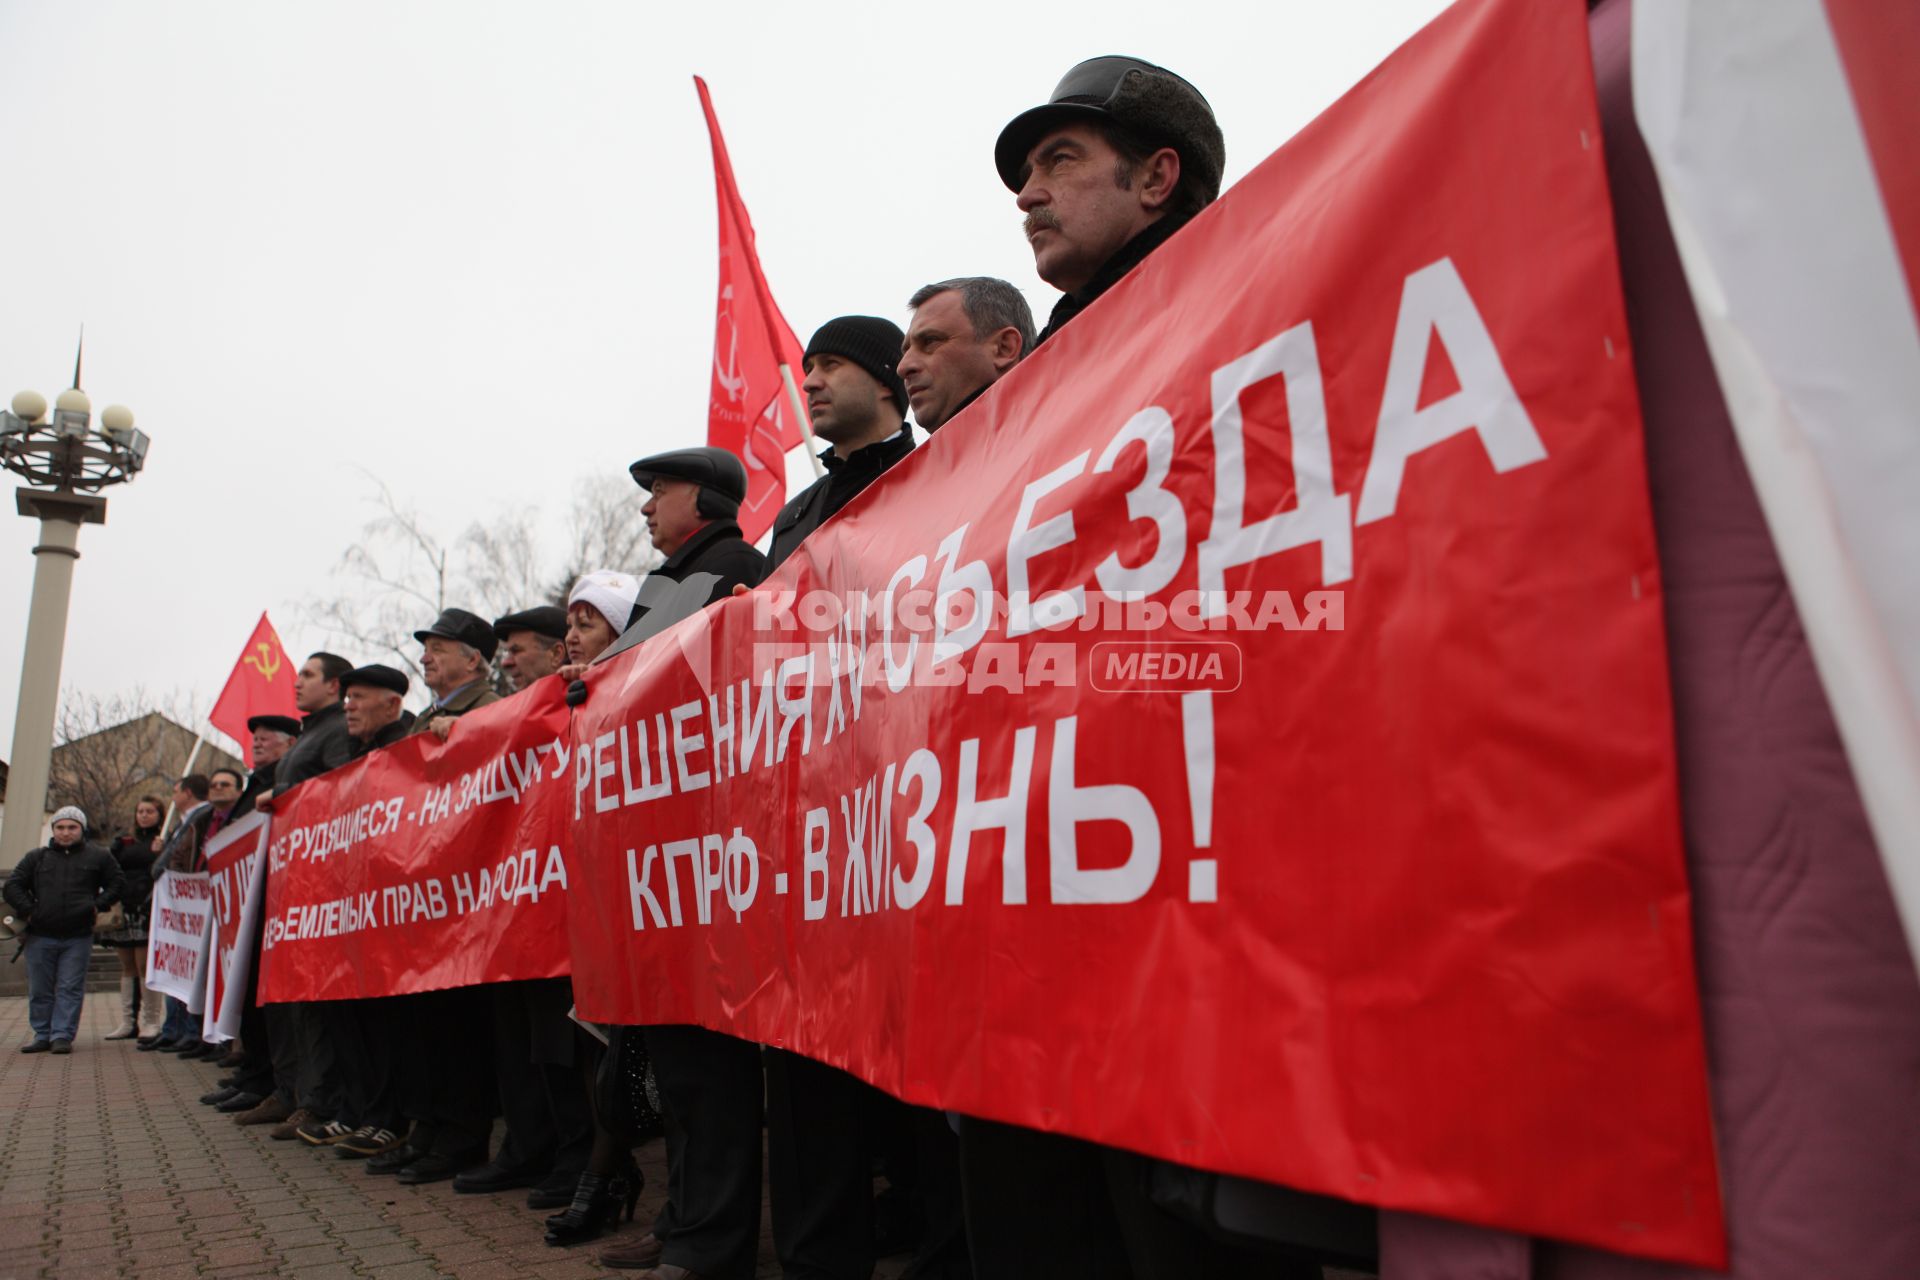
{"x": 598, "y": 1202}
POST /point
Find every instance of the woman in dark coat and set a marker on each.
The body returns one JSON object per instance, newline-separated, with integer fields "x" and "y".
{"x": 135, "y": 854}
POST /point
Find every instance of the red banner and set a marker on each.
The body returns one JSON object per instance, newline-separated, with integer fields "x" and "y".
{"x": 1243, "y": 736}
{"x": 237, "y": 868}
{"x": 749, "y": 412}
{"x": 425, "y": 865}
{"x": 260, "y": 684}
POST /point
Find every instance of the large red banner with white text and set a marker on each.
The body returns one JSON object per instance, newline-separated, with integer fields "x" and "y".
{"x": 427, "y": 864}
{"x": 1242, "y": 736}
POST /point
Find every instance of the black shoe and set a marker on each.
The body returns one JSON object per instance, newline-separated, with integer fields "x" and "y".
{"x": 494, "y": 1176}
{"x": 598, "y": 1201}
{"x": 240, "y": 1101}
{"x": 438, "y": 1168}
{"x": 228, "y": 1082}
{"x": 555, "y": 1191}
{"x": 147, "y": 1044}
{"x": 229, "y": 1061}
{"x": 395, "y": 1160}
{"x": 195, "y": 1052}
{"x": 37, "y": 1046}
{"x": 218, "y": 1096}
{"x": 62, "y": 1046}
{"x": 173, "y": 1046}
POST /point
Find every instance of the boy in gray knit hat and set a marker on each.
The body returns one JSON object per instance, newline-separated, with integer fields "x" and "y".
{"x": 58, "y": 888}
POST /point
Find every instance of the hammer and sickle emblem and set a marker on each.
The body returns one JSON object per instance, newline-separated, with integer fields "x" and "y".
{"x": 267, "y": 662}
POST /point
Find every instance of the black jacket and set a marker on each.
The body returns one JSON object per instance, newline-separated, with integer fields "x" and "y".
{"x": 59, "y": 889}
{"x": 322, "y": 745}
{"x": 260, "y": 780}
{"x": 716, "y": 548}
{"x": 1126, "y": 258}
{"x": 385, "y": 736}
{"x": 135, "y": 855}
{"x": 819, "y": 501}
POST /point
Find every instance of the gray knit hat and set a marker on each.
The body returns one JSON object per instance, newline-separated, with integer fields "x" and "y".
{"x": 73, "y": 812}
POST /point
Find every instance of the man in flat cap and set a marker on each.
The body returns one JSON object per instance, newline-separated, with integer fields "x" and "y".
{"x": 542, "y": 1096}
{"x": 254, "y": 1076}
{"x": 1122, "y": 156}
{"x": 709, "y": 1083}
{"x": 533, "y": 643}
{"x": 372, "y": 696}
{"x": 455, "y": 665}
{"x": 364, "y": 1110}
{"x": 446, "y": 1065}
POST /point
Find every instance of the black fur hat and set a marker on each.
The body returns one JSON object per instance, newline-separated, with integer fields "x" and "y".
{"x": 1140, "y": 97}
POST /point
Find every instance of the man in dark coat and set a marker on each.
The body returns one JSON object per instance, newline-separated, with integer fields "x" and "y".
{"x": 58, "y": 888}
{"x": 709, "y": 1083}
{"x": 821, "y": 1120}
{"x": 965, "y": 334}
{"x": 253, "y": 1097}
{"x": 858, "y": 405}
{"x": 549, "y": 1131}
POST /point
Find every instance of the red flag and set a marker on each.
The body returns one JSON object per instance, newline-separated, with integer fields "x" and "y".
{"x": 261, "y": 685}
{"x": 749, "y": 412}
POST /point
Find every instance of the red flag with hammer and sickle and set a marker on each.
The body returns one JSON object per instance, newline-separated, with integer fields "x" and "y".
{"x": 750, "y": 412}
{"x": 261, "y": 685}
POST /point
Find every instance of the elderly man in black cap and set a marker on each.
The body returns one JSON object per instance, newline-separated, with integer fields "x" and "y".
{"x": 542, "y": 1095}
{"x": 455, "y": 665}
{"x": 1123, "y": 155}
{"x": 445, "y": 1060}
{"x": 533, "y": 643}
{"x": 709, "y": 1083}
{"x": 358, "y": 1113}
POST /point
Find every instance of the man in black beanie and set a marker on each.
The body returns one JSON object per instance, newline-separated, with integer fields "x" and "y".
{"x": 857, "y": 404}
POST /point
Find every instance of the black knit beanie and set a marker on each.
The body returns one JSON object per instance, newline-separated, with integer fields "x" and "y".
{"x": 870, "y": 342}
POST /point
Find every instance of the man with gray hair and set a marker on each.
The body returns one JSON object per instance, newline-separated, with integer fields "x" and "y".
{"x": 965, "y": 334}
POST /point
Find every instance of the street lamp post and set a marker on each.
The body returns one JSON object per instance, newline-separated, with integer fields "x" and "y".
{"x": 66, "y": 461}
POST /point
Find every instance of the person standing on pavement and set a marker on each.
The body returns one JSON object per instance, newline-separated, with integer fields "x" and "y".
{"x": 186, "y": 854}
{"x": 366, "y": 1036}
{"x": 135, "y": 854}
{"x": 445, "y": 1037}
{"x": 306, "y": 1077}
{"x": 252, "y": 1096}
{"x": 189, "y": 798}
{"x": 1122, "y": 156}
{"x": 549, "y": 1130}
{"x": 709, "y": 1083}
{"x": 821, "y": 1121}
{"x": 59, "y": 888}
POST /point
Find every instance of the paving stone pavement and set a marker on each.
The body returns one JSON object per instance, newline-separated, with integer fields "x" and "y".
{"x": 109, "y": 1166}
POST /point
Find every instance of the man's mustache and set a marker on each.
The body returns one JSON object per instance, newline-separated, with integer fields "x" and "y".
{"x": 1040, "y": 217}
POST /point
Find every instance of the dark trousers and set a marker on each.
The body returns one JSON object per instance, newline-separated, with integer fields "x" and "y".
{"x": 920, "y": 1155}
{"x": 820, "y": 1154}
{"x": 1037, "y": 1205}
{"x": 710, "y": 1086}
{"x": 542, "y": 1091}
{"x": 319, "y": 1079}
{"x": 283, "y": 1043}
{"x": 445, "y": 1067}
{"x": 1046, "y": 1205}
{"x": 363, "y": 1036}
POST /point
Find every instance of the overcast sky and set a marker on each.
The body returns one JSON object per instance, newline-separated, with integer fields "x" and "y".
{"x": 471, "y": 249}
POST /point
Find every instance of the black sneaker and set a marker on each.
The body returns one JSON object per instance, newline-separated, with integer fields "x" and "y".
{"x": 368, "y": 1140}
{"x": 395, "y": 1160}
{"x": 62, "y": 1046}
{"x": 323, "y": 1133}
{"x": 239, "y": 1102}
{"x": 218, "y": 1096}
{"x": 38, "y": 1046}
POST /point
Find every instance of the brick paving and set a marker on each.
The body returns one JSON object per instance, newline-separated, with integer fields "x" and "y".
{"x": 109, "y": 1166}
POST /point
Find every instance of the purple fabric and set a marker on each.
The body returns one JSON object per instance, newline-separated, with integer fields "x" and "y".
{"x": 1811, "y": 1000}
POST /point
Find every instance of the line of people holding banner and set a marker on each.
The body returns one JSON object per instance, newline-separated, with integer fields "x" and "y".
{"x": 1121, "y": 156}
